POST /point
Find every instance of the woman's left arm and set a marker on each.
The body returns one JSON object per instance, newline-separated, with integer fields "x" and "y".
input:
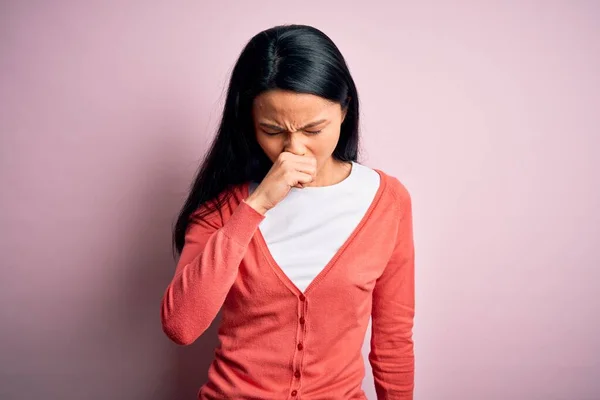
{"x": 392, "y": 356}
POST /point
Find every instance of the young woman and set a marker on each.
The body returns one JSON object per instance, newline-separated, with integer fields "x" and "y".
{"x": 296, "y": 242}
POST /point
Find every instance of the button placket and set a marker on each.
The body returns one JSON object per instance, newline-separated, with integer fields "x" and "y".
{"x": 300, "y": 335}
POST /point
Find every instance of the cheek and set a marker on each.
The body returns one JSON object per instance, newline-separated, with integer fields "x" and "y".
{"x": 326, "y": 144}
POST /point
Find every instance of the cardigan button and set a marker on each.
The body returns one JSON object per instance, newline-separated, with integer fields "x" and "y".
{"x": 300, "y": 347}
{"x": 294, "y": 392}
{"x": 297, "y": 374}
{"x": 302, "y": 297}
{"x": 302, "y": 320}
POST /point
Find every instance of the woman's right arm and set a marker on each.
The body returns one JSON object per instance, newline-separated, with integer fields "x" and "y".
{"x": 205, "y": 272}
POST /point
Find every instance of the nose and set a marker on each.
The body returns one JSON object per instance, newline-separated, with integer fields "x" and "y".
{"x": 293, "y": 143}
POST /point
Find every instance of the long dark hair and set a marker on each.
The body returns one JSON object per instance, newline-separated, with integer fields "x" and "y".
{"x": 296, "y": 58}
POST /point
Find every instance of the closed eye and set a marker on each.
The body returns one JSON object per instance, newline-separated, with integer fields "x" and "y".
{"x": 277, "y": 133}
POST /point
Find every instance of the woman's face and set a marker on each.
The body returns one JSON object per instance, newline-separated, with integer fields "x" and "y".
{"x": 298, "y": 123}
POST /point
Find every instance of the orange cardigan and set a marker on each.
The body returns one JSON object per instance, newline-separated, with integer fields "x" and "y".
{"x": 279, "y": 343}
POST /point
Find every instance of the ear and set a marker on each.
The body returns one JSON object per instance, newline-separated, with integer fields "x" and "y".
{"x": 345, "y": 109}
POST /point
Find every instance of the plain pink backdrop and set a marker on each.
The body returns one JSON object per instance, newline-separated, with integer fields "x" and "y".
{"x": 487, "y": 111}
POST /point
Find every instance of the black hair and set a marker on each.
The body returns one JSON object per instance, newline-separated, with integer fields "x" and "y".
{"x": 296, "y": 58}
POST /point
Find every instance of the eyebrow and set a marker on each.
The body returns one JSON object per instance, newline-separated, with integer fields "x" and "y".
{"x": 310, "y": 125}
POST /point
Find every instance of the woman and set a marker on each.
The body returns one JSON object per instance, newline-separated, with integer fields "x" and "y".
{"x": 292, "y": 238}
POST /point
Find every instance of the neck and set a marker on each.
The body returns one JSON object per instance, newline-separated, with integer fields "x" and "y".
{"x": 331, "y": 173}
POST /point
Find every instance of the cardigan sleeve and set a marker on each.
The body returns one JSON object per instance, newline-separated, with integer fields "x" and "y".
{"x": 391, "y": 355}
{"x": 205, "y": 272}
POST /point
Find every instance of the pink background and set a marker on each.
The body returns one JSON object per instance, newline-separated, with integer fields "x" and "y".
{"x": 487, "y": 111}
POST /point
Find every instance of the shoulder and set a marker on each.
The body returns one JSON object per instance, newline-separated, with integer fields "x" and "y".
{"x": 396, "y": 190}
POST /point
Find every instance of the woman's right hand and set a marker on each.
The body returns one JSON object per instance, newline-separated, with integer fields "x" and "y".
{"x": 289, "y": 170}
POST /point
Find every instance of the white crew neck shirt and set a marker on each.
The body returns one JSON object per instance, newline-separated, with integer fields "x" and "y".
{"x": 306, "y": 229}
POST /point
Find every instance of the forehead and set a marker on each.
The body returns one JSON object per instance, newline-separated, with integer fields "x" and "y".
{"x": 286, "y": 104}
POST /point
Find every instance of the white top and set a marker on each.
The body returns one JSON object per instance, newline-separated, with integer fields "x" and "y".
{"x": 305, "y": 230}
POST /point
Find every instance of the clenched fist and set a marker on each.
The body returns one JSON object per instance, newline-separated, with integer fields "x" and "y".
{"x": 289, "y": 170}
